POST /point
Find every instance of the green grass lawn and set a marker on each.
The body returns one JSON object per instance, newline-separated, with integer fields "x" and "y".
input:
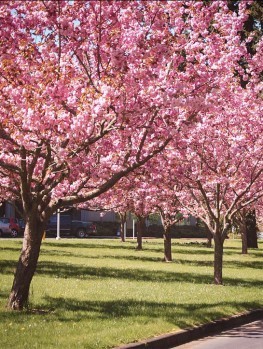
{"x": 102, "y": 293}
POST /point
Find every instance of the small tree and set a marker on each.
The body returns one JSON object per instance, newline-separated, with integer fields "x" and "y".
{"x": 223, "y": 174}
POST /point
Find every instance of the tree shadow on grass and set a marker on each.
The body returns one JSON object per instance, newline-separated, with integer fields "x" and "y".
{"x": 12, "y": 249}
{"x": 226, "y": 264}
{"x": 21, "y": 317}
{"x": 135, "y": 274}
{"x": 67, "y": 270}
{"x": 85, "y": 256}
{"x": 89, "y": 245}
{"x": 7, "y": 266}
{"x": 178, "y": 247}
{"x": 181, "y": 315}
{"x": 88, "y": 272}
{"x": 61, "y": 253}
{"x": 134, "y": 256}
{"x": 251, "y": 253}
{"x": 131, "y": 245}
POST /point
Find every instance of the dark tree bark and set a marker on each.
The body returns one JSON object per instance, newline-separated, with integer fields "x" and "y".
{"x": 168, "y": 220}
{"x": 140, "y": 229}
{"x": 243, "y": 232}
{"x": 167, "y": 244}
{"x": 218, "y": 259}
{"x": 209, "y": 239}
{"x": 246, "y": 221}
{"x": 26, "y": 267}
{"x": 251, "y": 228}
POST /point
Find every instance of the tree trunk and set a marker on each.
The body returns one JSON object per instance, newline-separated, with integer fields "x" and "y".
{"x": 167, "y": 245}
{"x": 244, "y": 243}
{"x": 218, "y": 259}
{"x": 251, "y": 225}
{"x": 209, "y": 239}
{"x": 141, "y": 226}
{"x": 26, "y": 266}
{"x": 243, "y": 231}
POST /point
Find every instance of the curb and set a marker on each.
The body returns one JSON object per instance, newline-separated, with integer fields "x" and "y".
{"x": 184, "y": 336}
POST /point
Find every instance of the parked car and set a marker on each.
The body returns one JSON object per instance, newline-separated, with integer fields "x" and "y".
{"x": 260, "y": 235}
{"x": 69, "y": 226}
{"x": 9, "y": 226}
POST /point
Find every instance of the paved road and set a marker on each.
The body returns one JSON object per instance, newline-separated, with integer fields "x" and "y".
{"x": 249, "y": 336}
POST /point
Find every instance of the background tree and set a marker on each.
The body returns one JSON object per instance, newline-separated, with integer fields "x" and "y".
{"x": 223, "y": 170}
{"x": 251, "y": 227}
{"x": 161, "y": 182}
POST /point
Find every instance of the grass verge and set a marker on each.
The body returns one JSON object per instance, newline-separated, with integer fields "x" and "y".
{"x": 98, "y": 294}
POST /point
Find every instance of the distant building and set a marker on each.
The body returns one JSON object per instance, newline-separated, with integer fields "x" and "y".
{"x": 7, "y": 209}
{"x": 97, "y": 216}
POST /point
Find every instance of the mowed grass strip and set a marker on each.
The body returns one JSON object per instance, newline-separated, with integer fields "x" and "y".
{"x": 102, "y": 293}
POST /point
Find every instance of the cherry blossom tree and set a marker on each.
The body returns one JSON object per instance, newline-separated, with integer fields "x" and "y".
{"x": 169, "y": 215}
{"x": 117, "y": 199}
{"x": 91, "y": 90}
{"x": 131, "y": 194}
{"x": 141, "y": 205}
{"x": 223, "y": 170}
{"x": 161, "y": 197}
{"x": 70, "y": 124}
{"x": 147, "y": 191}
